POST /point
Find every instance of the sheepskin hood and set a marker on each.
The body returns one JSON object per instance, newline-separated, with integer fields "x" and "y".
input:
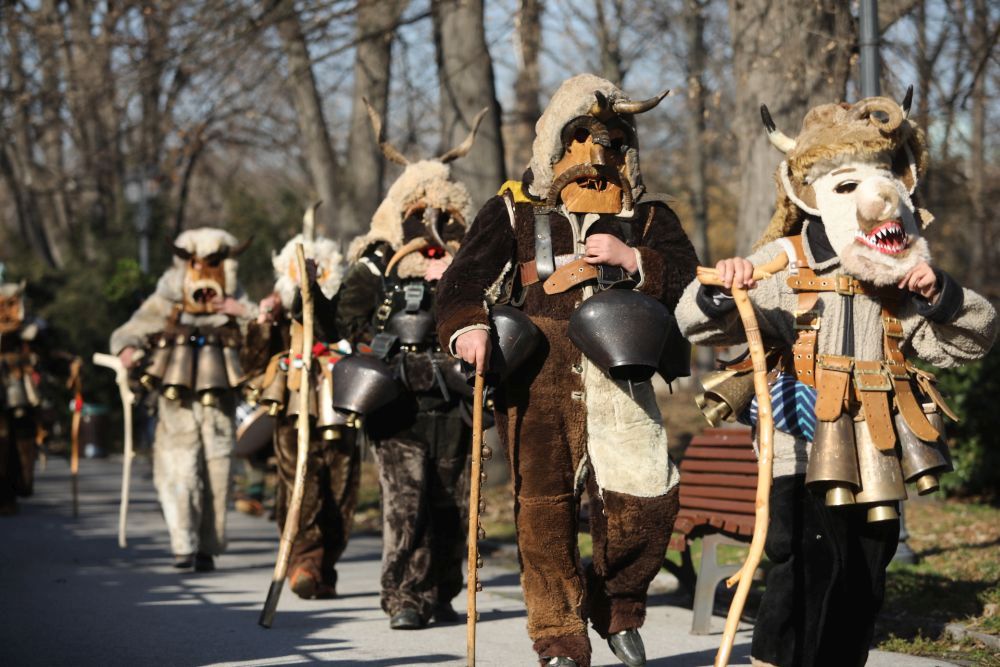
{"x": 329, "y": 263}
{"x": 426, "y": 183}
{"x": 575, "y": 97}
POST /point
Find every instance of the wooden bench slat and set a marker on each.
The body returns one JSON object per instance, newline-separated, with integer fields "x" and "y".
{"x": 721, "y": 440}
{"x": 740, "y": 481}
{"x": 748, "y": 495}
{"x": 731, "y": 506}
{"x": 720, "y": 466}
{"x": 741, "y": 523}
{"x": 730, "y": 453}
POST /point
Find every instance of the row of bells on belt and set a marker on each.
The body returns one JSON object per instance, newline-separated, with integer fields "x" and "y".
{"x": 181, "y": 364}
{"x": 278, "y": 397}
{"x": 847, "y": 467}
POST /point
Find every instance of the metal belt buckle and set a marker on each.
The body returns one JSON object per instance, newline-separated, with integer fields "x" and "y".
{"x": 384, "y": 311}
{"x": 813, "y": 324}
{"x": 866, "y": 380}
{"x": 413, "y": 294}
{"x": 845, "y": 285}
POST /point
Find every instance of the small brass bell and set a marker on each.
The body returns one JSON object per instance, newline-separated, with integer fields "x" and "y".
{"x": 234, "y": 369}
{"x": 921, "y": 461}
{"x": 157, "y": 367}
{"x": 726, "y": 395}
{"x": 881, "y": 475}
{"x": 273, "y": 395}
{"x": 210, "y": 375}
{"x": 180, "y": 367}
{"x": 833, "y": 461}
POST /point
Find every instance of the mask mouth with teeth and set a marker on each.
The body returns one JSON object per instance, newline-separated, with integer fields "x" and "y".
{"x": 855, "y": 167}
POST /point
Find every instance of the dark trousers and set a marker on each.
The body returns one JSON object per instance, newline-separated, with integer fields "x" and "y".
{"x": 424, "y": 484}
{"x": 331, "y": 492}
{"x": 17, "y": 459}
{"x": 827, "y": 582}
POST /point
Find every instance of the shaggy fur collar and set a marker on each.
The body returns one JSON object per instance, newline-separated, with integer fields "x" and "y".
{"x": 328, "y": 258}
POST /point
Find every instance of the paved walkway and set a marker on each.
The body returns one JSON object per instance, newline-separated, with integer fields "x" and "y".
{"x": 70, "y": 596}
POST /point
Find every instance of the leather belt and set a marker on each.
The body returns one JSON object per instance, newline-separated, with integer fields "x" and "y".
{"x": 529, "y": 270}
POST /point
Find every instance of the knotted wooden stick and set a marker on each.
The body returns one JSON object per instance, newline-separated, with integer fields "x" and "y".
{"x": 291, "y": 529}
{"x": 765, "y": 439}
{"x": 475, "y": 484}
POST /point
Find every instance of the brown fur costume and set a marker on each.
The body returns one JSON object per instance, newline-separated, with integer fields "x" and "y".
{"x": 542, "y": 408}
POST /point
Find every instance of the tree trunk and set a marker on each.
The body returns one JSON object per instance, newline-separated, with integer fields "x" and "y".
{"x": 791, "y": 56}
{"x": 320, "y": 158}
{"x": 376, "y": 25}
{"x": 981, "y": 252}
{"x": 527, "y": 87}
{"x": 465, "y": 70}
{"x": 694, "y": 31}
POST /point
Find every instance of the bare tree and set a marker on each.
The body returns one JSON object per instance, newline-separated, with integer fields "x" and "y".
{"x": 528, "y": 85}
{"x": 791, "y": 56}
{"x": 376, "y": 22}
{"x": 694, "y": 30}
{"x": 465, "y": 72}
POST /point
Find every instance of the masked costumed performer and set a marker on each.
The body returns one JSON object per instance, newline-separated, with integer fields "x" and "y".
{"x": 858, "y": 303}
{"x": 20, "y": 336}
{"x": 562, "y": 419}
{"x": 192, "y": 327}
{"x": 420, "y": 440}
{"x": 334, "y": 468}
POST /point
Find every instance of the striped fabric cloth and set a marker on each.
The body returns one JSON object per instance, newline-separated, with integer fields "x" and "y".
{"x": 794, "y": 407}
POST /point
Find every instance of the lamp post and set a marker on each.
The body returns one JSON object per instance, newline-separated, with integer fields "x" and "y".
{"x": 869, "y": 66}
{"x": 137, "y": 194}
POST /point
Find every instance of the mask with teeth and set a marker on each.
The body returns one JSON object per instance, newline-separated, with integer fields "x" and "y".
{"x": 870, "y": 220}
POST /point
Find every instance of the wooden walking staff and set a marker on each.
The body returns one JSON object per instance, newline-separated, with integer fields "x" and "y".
{"x": 475, "y": 486}
{"x": 765, "y": 443}
{"x": 128, "y": 451}
{"x": 75, "y": 385}
{"x": 291, "y": 529}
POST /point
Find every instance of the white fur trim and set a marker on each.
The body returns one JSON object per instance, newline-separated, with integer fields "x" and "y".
{"x": 626, "y": 441}
{"x": 454, "y": 336}
{"x": 326, "y": 255}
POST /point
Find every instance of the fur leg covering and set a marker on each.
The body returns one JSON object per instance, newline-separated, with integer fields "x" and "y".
{"x": 192, "y": 457}
{"x": 575, "y": 647}
{"x": 630, "y": 536}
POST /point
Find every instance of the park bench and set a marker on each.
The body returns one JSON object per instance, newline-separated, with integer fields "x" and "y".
{"x": 717, "y": 493}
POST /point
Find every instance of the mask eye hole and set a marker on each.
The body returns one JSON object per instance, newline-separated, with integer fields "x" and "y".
{"x": 846, "y": 187}
{"x": 581, "y": 135}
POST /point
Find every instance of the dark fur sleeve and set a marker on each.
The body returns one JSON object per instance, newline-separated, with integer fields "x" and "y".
{"x": 356, "y": 302}
{"x": 668, "y": 258}
{"x": 485, "y": 251}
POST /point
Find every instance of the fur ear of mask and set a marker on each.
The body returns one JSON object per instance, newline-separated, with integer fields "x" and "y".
{"x": 806, "y": 199}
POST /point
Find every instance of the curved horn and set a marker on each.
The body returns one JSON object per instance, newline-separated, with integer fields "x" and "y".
{"x": 868, "y": 109}
{"x": 180, "y": 252}
{"x": 779, "y": 139}
{"x": 239, "y": 249}
{"x": 640, "y": 106}
{"x": 416, "y": 244}
{"x": 600, "y": 104}
{"x": 388, "y": 150}
{"x": 463, "y": 148}
{"x": 907, "y": 101}
{"x": 309, "y": 221}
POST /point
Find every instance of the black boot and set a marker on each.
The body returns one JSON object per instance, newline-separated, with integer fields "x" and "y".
{"x": 184, "y": 561}
{"x": 627, "y": 647}
{"x": 406, "y": 619}
{"x": 445, "y": 613}
{"x": 204, "y": 563}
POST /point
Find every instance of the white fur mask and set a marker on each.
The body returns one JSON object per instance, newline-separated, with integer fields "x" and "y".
{"x": 869, "y": 218}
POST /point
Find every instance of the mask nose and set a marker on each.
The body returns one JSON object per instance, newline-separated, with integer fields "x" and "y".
{"x": 878, "y": 200}
{"x": 597, "y": 155}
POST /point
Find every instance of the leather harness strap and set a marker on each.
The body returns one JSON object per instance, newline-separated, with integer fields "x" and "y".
{"x": 873, "y": 380}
